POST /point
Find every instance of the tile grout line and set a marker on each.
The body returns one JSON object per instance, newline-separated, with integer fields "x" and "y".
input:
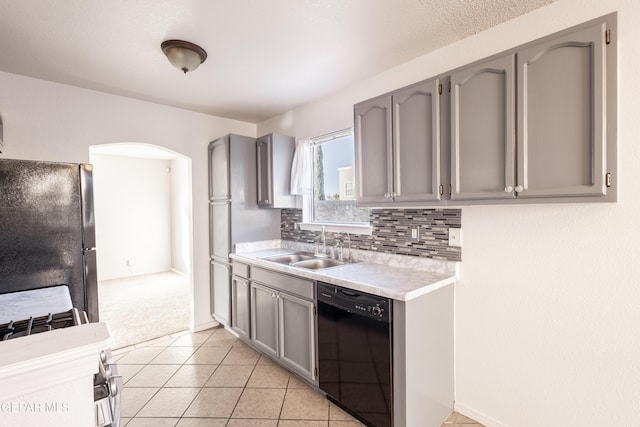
{"x": 243, "y": 389}
{"x": 286, "y": 391}
{"x": 205, "y": 382}
{"x": 163, "y": 385}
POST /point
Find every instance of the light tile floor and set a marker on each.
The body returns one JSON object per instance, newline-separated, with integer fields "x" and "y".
{"x": 212, "y": 379}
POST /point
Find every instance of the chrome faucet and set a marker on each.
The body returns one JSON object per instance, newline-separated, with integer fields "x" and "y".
{"x": 324, "y": 244}
{"x": 339, "y": 246}
{"x": 349, "y": 259}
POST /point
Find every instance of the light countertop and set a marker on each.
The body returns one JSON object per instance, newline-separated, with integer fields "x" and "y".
{"x": 32, "y": 363}
{"x": 398, "y": 283}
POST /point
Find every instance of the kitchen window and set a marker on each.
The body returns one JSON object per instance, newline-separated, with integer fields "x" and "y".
{"x": 332, "y": 199}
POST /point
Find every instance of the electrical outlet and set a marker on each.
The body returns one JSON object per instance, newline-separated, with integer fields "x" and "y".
{"x": 455, "y": 237}
{"x": 415, "y": 233}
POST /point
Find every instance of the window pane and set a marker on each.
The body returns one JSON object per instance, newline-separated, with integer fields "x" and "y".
{"x": 333, "y": 181}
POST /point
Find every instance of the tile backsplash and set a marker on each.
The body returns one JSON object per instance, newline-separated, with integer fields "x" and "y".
{"x": 392, "y": 232}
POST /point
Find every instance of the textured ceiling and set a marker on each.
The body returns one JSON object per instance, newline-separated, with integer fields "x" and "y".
{"x": 265, "y": 56}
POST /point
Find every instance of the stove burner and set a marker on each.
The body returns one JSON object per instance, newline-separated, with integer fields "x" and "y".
{"x": 35, "y": 325}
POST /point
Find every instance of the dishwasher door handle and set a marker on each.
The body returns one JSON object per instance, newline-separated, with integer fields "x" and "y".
{"x": 347, "y": 293}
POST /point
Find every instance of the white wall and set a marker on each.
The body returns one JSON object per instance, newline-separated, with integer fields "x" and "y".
{"x": 50, "y": 121}
{"x": 133, "y": 215}
{"x": 180, "y": 215}
{"x": 548, "y": 303}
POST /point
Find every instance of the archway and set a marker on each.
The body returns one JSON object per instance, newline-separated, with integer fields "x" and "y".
{"x": 144, "y": 240}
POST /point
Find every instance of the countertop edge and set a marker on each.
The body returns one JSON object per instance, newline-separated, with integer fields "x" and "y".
{"x": 433, "y": 283}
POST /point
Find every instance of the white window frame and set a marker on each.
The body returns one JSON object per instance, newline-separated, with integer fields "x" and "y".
{"x": 307, "y": 200}
{"x": 348, "y": 188}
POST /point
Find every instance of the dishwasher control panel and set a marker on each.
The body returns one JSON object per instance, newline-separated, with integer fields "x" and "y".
{"x": 356, "y": 302}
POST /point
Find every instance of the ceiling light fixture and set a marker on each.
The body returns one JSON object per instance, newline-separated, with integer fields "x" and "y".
{"x": 183, "y": 55}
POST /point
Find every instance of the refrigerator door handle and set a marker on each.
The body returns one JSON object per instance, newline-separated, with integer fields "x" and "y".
{"x": 87, "y": 214}
{"x": 91, "y": 285}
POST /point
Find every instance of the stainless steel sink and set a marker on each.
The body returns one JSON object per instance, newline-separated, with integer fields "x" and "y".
{"x": 318, "y": 263}
{"x": 305, "y": 260}
{"x": 289, "y": 258}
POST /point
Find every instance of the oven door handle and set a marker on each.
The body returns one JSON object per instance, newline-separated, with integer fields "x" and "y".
{"x": 116, "y": 411}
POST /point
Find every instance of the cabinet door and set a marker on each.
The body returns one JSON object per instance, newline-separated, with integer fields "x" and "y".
{"x": 264, "y": 154}
{"x": 240, "y": 308}
{"x": 219, "y": 169}
{"x": 220, "y": 230}
{"x": 373, "y": 159}
{"x": 561, "y": 111}
{"x": 264, "y": 318}
{"x": 220, "y": 277}
{"x": 297, "y": 334}
{"x": 482, "y": 131}
{"x": 416, "y": 143}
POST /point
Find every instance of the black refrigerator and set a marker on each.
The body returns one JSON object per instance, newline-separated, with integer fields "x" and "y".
{"x": 47, "y": 229}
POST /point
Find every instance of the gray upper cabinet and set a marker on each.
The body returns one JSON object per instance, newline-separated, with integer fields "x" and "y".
{"x": 561, "y": 116}
{"x": 537, "y": 122}
{"x": 397, "y": 142}
{"x": 274, "y": 154}
{"x": 483, "y": 130}
{"x": 264, "y": 173}
{"x": 416, "y": 142}
{"x": 219, "y": 154}
{"x": 373, "y": 159}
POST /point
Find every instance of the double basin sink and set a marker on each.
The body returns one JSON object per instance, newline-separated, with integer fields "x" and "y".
{"x": 305, "y": 260}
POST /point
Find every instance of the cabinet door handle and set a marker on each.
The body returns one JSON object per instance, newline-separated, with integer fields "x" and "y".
{"x": 519, "y": 188}
{"x": 508, "y": 189}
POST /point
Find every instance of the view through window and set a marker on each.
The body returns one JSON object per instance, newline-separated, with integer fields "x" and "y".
{"x": 333, "y": 180}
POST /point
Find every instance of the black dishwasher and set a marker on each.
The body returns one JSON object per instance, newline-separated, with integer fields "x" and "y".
{"x": 355, "y": 352}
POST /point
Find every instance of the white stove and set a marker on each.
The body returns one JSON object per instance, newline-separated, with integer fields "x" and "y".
{"x": 56, "y": 370}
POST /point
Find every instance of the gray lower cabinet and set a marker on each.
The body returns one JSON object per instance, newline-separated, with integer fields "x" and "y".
{"x": 297, "y": 337}
{"x": 283, "y": 326}
{"x": 532, "y": 123}
{"x": 397, "y": 144}
{"x": 264, "y": 319}
{"x": 240, "y": 306}
{"x": 220, "y": 293}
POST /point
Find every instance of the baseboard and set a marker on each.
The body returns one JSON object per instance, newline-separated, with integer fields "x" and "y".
{"x": 204, "y": 326}
{"x": 231, "y": 331}
{"x": 179, "y": 272}
{"x": 478, "y": 416}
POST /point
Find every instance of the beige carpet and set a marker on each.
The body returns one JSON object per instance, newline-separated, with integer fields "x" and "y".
{"x": 140, "y": 308}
